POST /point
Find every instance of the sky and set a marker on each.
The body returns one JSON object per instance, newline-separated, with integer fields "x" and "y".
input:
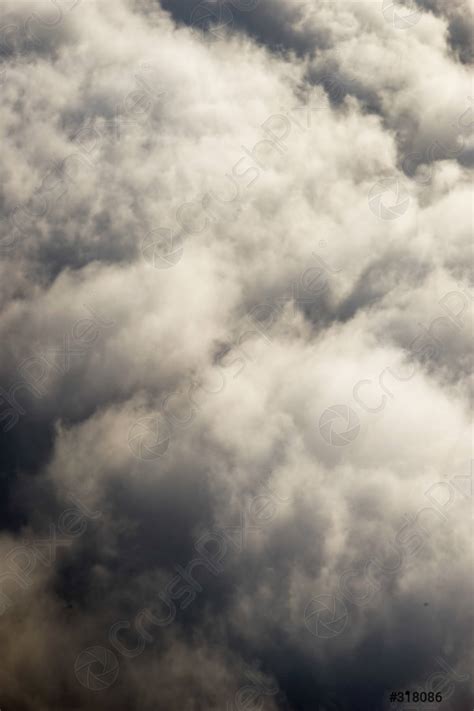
{"x": 236, "y": 372}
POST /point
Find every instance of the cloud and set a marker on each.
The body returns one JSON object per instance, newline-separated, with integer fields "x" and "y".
{"x": 236, "y": 288}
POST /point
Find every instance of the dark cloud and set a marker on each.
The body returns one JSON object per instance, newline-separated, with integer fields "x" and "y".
{"x": 459, "y": 17}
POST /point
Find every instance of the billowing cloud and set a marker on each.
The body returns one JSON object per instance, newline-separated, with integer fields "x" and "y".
{"x": 236, "y": 365}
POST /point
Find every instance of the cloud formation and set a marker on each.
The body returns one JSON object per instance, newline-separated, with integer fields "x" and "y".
{"x": 236, "y": 367}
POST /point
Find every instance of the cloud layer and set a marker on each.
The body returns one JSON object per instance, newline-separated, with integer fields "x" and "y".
{"x": 236, "y": 365}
